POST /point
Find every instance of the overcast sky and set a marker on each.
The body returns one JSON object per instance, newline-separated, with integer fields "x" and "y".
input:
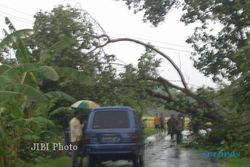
{"x": 118, "y": 21}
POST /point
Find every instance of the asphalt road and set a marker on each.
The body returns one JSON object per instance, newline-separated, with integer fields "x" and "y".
{"x": 161, "y": 152}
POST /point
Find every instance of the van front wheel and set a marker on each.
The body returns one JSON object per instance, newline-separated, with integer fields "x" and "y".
{"x": 92, "y": 162}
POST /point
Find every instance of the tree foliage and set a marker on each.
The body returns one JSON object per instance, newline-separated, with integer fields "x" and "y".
{"x": 223, "y": 55}
{"x": 65, "y": 22}
{"x": 42, "y": 66}
{"x": 154, "y": 11}
{"x": 221, "y": 43}
{"x": 24, "y": 107}
{"x": 78, "y": 67}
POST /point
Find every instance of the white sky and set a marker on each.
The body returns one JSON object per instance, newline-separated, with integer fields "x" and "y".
{"x": 118, "y": 21}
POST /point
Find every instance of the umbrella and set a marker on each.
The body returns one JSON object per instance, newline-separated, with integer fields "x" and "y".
{"x": 84, "y": 104}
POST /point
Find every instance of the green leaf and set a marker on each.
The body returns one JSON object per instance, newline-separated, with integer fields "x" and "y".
{"x": 5, "y": 79}
{"x": 48, "y": 54}
{"x": 18, "y": 122}
{"x": 60, "y": 96}
{"x": 75, "y": 75}
{"x": 49, "y": 73}
{"x": 7, "y": 96}
{"x": 30, "y": 137}
{"x": 22, "y": 53}
{"x": 32, "y": 94}
{"x": 16, "y": 111}
{"x": 4, "y": 68}
{"x": 2, "y": 133}
{"x": 61, "y": 110}
{"x": 40, "y": 121}
{"x": 16, "y": 73}
{"x": 12, "y": 38}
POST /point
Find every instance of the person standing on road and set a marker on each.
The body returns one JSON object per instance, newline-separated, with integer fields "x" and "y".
{"x": 76, "y": 129}
{"x": 157, "y": 122}
{"x": 179, "y": 128}
{"x": 171, "y": 126}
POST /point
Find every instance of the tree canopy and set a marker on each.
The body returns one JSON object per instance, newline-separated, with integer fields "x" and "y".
{"x": 221, "y": 44}
{"x": 221, "y": 55}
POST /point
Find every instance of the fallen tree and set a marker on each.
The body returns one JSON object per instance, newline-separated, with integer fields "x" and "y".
{"x": 217, "y": 111}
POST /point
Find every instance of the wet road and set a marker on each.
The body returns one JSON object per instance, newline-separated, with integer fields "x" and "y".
{"x": 162, "y": 153}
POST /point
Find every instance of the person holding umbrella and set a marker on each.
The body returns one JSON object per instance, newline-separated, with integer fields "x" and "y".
{"x": 76, "y": 129}
{"x": 76, "y": 125}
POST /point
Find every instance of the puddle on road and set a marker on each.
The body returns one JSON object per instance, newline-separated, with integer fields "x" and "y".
{"x": 167, "y": 154}
{"x": 164, "y": 153}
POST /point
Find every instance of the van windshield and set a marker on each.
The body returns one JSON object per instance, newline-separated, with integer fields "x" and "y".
{"x": 111, "y": 119}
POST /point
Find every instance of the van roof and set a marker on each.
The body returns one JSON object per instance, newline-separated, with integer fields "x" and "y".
{"x": 114, "y": 108}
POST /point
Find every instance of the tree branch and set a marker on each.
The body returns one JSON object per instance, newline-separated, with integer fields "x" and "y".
{"x": 109, "y": 40}
{"x": 158, "y": 95}
{"x": 211, "y": 107}
{"x": 202, "y": 102}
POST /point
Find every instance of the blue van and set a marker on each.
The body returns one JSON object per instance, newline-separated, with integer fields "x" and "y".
{"x": 114, "y": 133}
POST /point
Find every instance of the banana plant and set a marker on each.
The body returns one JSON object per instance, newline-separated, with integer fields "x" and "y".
{"x": 22, "y": 105}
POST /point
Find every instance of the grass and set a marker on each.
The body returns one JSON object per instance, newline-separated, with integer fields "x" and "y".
{"x": 149, "y": 132}
{"x": 236, "y": 162}
{"x": 59, "y": 162}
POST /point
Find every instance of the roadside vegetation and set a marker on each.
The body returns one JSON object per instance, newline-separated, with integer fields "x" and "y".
{"x": 149, "y": 131}
{"x": 62, "y": 161}
{"x": 236, "y": 162}
{"x": 222, "y": 54}
{"x": 45, "y": 69}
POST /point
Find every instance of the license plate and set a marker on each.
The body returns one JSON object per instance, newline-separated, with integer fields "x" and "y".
{"x": 111, "y": 139}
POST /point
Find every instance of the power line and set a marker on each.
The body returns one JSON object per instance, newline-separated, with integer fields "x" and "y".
{"x": 170, "y": 48}
{"x": 24, "y": 20}
{"x": 16, "y": 17}
{"x": 121, "y": 61}
{"x": 5, "y": 6}
{"x": 178, "y": 50}
{"x": 119, "y": 64}
{"x": 19, "y": 20}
